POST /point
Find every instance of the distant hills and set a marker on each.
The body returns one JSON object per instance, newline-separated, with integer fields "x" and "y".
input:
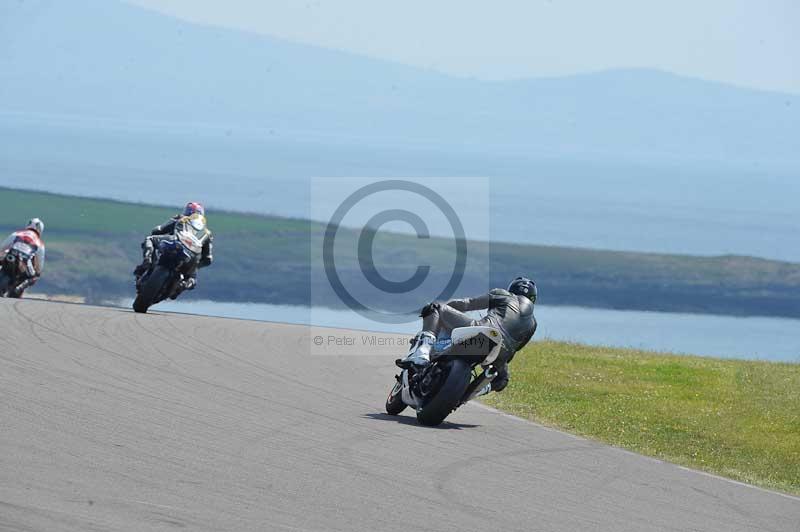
{"x": 110, "y": 60}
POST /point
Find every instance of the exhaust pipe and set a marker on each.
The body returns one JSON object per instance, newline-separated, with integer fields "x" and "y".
{"x": 484, "y": 384}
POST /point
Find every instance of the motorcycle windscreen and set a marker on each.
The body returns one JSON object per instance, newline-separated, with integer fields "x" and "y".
{"x": 191, "y": 233}
{"x": 198, "y": 222}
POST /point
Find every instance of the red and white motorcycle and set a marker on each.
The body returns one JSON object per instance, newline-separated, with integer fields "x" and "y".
{"x": 17, "y": 264}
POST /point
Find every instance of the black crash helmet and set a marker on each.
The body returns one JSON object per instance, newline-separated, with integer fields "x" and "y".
{"x": 522, "y": 286}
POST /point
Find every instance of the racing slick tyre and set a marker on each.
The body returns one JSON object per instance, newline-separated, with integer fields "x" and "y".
{"x": 150, "y": 289}
{"x": 449, "y": 395}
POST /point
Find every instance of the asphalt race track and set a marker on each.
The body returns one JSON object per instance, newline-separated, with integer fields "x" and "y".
{"x": 116, "y": 421}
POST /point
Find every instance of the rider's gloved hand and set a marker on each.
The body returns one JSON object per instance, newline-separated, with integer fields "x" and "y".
{"x": 189, "y": 284}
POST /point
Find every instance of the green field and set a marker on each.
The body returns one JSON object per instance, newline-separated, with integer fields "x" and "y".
{"x": 736, "y": 418}
{"x": 94, "y": 244}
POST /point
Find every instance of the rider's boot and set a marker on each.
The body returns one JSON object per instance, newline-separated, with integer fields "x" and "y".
{"x": 147, "y": 258}
{"x": 147, "y": 261}
{"x": 483, "y": 391}
{"x": 420, "y": 352}
{"x": 497, "y": 384}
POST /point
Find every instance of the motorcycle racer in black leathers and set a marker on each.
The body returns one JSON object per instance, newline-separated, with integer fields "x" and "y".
{"x": 165, "y": 231}
{"x": 510, "y": 311}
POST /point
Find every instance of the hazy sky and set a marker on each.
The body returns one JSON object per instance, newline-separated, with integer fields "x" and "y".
{"x": 751, "y": 43}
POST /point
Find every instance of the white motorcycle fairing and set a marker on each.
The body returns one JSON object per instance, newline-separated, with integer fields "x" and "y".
{"x": 463, "y": 335}
{"x": 408, "y": 399}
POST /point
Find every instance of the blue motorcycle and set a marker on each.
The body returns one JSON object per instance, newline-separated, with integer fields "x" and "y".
{"x": 175, "y": 256}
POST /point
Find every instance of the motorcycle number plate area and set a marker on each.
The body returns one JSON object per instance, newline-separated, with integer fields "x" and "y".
{"x": 22, "y": 247}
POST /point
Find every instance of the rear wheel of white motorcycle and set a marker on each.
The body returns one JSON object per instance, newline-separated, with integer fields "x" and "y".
{"x": 449, "y": 395}
{"x": 394, "y": 403}
{"x": 149, "y": 290}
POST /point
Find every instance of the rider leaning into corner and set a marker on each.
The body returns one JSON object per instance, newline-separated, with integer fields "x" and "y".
{"x": 32, "y": 236}
{"x": 510, "y": 311}
{"x": 166, "y": 231}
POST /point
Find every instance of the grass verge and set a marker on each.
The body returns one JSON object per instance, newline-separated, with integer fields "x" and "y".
{"x": 739, "y": 419}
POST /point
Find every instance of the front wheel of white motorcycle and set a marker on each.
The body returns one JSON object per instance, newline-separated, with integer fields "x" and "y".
{"x": 394, "y": 403}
